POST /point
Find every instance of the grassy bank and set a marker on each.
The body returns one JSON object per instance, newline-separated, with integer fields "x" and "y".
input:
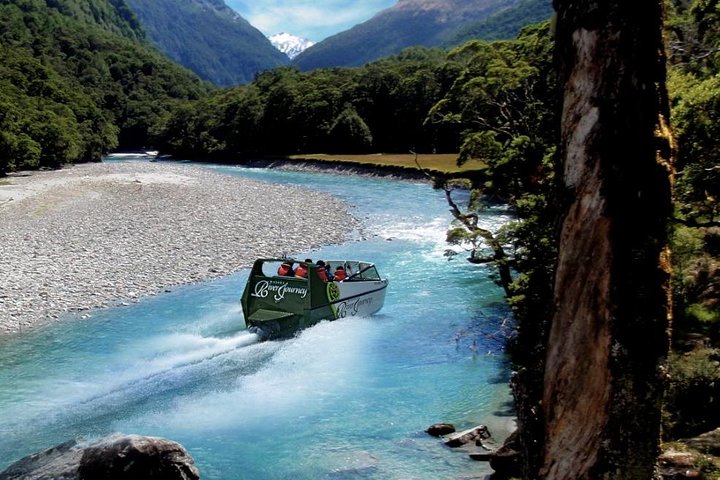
{"x": 443, "y": 163}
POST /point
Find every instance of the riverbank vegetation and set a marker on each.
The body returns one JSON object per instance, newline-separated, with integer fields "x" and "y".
{"x": 72, "y": 90}
{"x": 380, "y": 107}
{"x": 78, "y": 80}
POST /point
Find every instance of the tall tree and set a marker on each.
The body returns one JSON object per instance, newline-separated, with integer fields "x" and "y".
{"x": 609, "y": 334}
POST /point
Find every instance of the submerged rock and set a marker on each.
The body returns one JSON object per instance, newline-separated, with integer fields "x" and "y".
{"x": 440, "y": 429}
{"x": 455, "y": 440}
{"x": 116, "y": 457}
{"x": 506, "y": 460}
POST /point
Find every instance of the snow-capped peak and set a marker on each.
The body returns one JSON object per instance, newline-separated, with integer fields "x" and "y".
{"x": 289, "y": 44}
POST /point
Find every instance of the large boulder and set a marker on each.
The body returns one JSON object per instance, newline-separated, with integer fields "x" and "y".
{"x": 507, "y": 461}
{"x": 117, "y": 457}
{"x": 60, "y": 462}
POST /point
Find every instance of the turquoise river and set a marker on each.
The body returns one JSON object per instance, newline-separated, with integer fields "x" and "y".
{"x": 342, "y": 400}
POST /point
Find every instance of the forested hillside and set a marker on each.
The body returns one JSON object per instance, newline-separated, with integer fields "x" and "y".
{"x": 504, "y": 25}
{"x": 408, "y": 23}
{"x": 77, "y": 81}
{"x": 380, "y": 107}
{"x": 209, "y": 38}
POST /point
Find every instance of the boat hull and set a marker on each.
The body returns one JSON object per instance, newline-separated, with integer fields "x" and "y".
{"x": 359, "y": 300}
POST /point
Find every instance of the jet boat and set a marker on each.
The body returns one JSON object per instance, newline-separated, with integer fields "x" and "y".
{"x": 278, "y": 304}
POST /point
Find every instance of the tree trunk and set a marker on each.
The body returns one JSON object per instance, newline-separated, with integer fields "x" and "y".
{"x": 609, "y": 334}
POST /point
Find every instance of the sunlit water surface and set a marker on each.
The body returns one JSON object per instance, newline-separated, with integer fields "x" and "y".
{"x": 343, "y": 400}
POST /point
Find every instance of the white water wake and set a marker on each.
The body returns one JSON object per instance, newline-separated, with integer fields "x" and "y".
{"x": 303, "y": 376}
{"x": 178, "y": 362}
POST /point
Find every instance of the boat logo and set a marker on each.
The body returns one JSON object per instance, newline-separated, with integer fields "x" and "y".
{"x": 333, "y": 291}
{"x": 280, "y": 289}
{"x": 352, "y": 308}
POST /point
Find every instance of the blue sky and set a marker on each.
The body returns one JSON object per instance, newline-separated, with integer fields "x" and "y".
{"x": 311, "y": 19}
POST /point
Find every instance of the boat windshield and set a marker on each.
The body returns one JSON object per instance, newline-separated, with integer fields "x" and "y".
{"x": 361, "y": 271}
{"x": 355, "y": 270}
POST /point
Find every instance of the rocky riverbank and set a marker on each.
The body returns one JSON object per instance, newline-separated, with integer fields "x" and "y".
{"x": 97, "y": 235}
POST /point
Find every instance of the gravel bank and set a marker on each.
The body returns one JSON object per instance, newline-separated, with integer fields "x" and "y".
{"x": 97, "y": 235}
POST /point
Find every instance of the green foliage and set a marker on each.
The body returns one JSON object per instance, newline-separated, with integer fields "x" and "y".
{"x": 696, "y": 108}
{"x": 458, "y": 235}
{"x": 693, "y": 31}
{"x": 692, "y": 398}
{"x": 75, "y": 82}
{"x": 696, "y": 285}
{"x": 505, "y": 99}
{"x": 694, "y": 87}
{"x": 394, "y": 95}
{"x": 349, "y": 133}
{"x": 113, "y": 16}
{"x": 284, "y": 111}
{"x": 702, "y": 314}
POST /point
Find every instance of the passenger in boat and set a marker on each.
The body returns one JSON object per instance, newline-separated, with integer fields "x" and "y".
{"x": 340, "y": 273}
{"x": 302, "y": 271}
{"x": 322, "y": 271}
{"x": 328, "y": 272}
{"x": 286, "y": 270}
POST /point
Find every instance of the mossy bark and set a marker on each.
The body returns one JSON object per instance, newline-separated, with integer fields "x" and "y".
{"x": 608, "y": 338}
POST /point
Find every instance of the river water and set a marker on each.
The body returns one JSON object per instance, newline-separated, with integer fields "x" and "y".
{"x": 342, "y": 400}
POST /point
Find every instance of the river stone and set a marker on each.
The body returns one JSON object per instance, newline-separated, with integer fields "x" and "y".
{"x": 440, "y": 429}
{"x": 116, "y": 457}
{"x": 459, "y": 439}
{"x": 60, "y": 462}
{"x": 507, "y": 461}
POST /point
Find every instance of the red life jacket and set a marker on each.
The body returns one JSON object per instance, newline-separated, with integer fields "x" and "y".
{"x": 340, "y": 275}
{"x": 285, "y": 271}
{"x": 301, "y": 271}
{"x": 322, "y": 273}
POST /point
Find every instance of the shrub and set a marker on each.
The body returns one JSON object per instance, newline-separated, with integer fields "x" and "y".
{"x": 692, "y": 400}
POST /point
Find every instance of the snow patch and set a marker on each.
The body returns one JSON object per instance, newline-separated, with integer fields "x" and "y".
{"x": 290, "y": 45}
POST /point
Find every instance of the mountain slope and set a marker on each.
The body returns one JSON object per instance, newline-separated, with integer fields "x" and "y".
{"x": 113, "y": 16}
{"x": 506, "y": 24}
{"x": 408, "y": 23}
{"x": 209, "y": 38}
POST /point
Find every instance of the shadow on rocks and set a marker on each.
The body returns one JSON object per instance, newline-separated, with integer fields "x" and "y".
{"x": 116, "y": 457}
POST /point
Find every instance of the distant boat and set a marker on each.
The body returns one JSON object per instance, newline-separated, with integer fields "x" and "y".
{"x": 276, "y": 306}
{"x": 152, "y": 153}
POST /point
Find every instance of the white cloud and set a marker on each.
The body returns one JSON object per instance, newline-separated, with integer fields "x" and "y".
{"x": 314, "y": 20}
